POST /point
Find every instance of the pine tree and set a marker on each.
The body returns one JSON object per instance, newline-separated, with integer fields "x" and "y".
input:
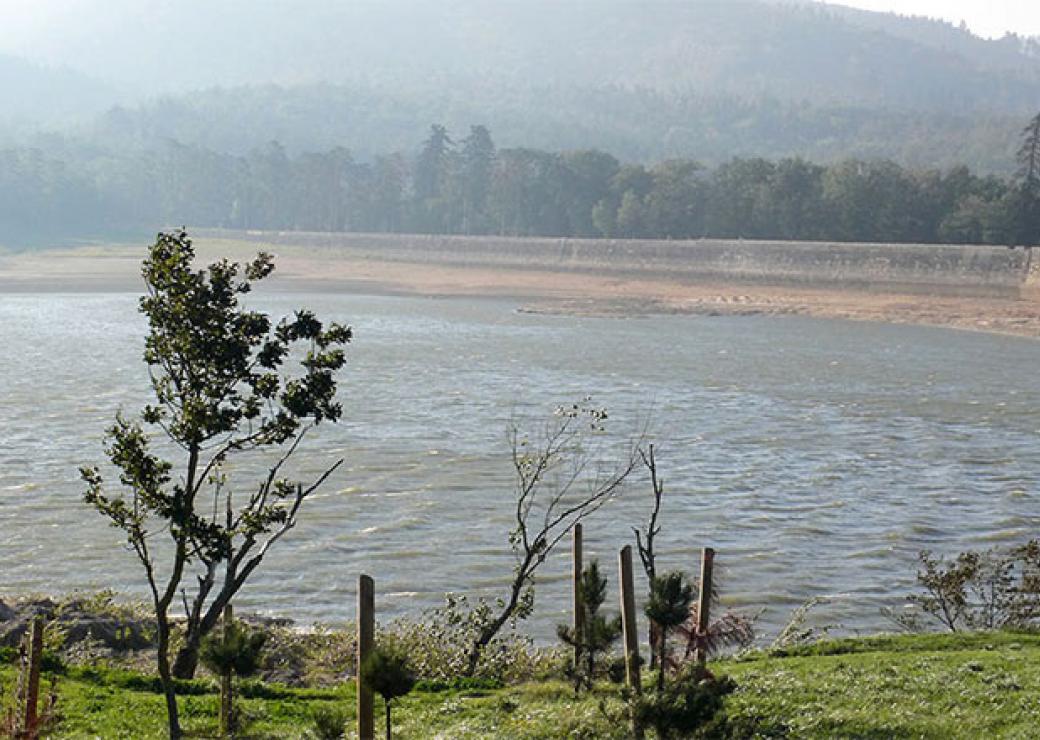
{"x": 478, "y": 162}
{"x": 598, "y": 632}
{"x": 1029, "y": 189}
{"x": 668, "y": 607}
{"x": 1029, "y": 156}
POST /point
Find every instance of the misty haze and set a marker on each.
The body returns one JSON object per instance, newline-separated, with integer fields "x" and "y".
{"x": 599, "y": 369}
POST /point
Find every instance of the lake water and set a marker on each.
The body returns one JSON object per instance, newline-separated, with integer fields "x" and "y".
{"x": 817, "y": 457}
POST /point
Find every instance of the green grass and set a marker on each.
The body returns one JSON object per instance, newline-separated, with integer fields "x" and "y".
{"x": 922, "y": 686}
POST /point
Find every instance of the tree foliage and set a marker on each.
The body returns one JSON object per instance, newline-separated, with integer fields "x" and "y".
{"x": 222, "y": 388}
{"x": 477, "y": 188}
{"x": 976, "y": 589}
{"x": 668, "y": 607}
{"x": 691, "y": 705}
{"x": 236, "y": 650}
{"x": 388, "y": 673}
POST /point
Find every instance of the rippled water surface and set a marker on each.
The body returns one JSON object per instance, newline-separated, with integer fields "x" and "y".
{"x": 817, "y": 456}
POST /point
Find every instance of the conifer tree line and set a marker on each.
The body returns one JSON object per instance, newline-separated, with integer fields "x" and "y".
{"x": 467, "y": 185}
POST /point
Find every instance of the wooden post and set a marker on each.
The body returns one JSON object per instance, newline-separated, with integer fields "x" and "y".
{"x": 628, "y": 618}
{"x": 227, "y": 703}
{"x": 628, "y": 629}
{"x": 32, "y": 680}
{"x": 366, "y": 624}
{"x": 579, "y": 606}
{"x": 704, "y": 603}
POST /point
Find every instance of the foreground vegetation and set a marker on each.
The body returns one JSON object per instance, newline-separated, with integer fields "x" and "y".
{"x": 932, "y": 686}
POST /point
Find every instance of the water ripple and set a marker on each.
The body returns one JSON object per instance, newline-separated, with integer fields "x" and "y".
{"x": 818, "y": 457}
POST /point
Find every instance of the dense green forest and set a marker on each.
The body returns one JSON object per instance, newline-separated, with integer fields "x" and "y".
{"x": 470, "y": 186}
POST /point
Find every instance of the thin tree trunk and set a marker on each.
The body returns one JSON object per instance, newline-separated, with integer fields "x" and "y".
{"x": 187, "y": 660}
{"x": 166, "y": 678}
{"x": 489, "y": 632}
{"x": 591, "y": 662}
{"x": 485, "y": 637}
{"x": 227, "y": 685}
{"x": 662, "y": 646}
{"x": 387, "y": 720}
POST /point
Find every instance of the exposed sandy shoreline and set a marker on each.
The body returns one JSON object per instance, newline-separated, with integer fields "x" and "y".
{"x": 116, "y": 269}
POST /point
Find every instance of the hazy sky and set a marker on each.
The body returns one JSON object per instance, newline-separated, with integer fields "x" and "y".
{"x": 49, "y": 28}
{"x": 984, "y": 17}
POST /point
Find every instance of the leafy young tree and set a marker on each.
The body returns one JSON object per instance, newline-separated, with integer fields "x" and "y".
{"x": 978, "y": 589}
{"x": 216, "y": 372}
{"x": 674, "y": 208}
{"x": 559, "y": 480}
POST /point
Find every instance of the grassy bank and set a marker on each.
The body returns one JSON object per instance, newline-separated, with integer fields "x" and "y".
{"x": 926, "y": 686}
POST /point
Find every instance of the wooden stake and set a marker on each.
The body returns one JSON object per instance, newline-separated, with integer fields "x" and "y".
{"x": 366, "y": 624}
{"x": 579, "y": 606}
{"x": 628, "y": 628}
{"x": 227, "y": 702}
{"x": 704, "y": 603}
{"x": 628, "y": 618}
{"x": 32, "y": 683}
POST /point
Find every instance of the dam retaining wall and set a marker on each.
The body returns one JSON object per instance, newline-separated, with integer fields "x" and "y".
{"x": 914, "y": 268}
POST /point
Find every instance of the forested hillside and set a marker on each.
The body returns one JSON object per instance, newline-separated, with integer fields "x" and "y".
{"x": 232, "y": 94}
{"x": 646, "y": 80}
{"x": 36, "y": 96}
{"x": 637, "y": 125}
{"x": 798, "y": 51}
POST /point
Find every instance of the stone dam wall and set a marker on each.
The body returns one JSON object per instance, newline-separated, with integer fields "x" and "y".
{"x": 913, "y": 268}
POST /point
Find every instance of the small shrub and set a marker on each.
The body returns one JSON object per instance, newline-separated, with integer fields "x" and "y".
{"x": 319, "y": 657}
{"x": 976, "y": 590}
{"x": 330, "y": 722}
{"x": 690, "y": 705}
{"x": 798, "y": 632}
{"x": 437, "y": 645}
{"x": 387, "y": 672}
{"x": 460, "y": 683}
{"x": 237, "y": 649}
{"x": 235, "y": 652}
{"x": 731, "y": 629}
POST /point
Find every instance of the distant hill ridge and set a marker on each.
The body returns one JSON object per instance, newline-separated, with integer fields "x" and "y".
{"x": 645, "y": 79}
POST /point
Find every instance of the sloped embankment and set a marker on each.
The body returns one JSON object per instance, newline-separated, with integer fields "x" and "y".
{"x": 956, "y": 270}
